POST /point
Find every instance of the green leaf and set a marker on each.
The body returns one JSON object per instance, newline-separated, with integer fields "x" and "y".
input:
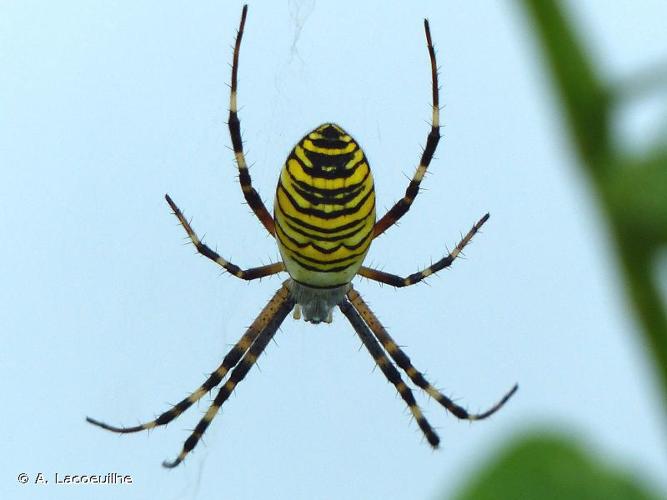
{"x": 576, "y": 79}
{"x": 546, "y": 466}
{"x": 631, "y": 188}
{"x": 637, "y": 194}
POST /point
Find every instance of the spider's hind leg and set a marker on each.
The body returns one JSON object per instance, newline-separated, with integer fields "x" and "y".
{"x": 232, "y": 358}
{"x": 270, "y": 320}
{"x": 403, "y": 361}
{"x": 389, "y": 370}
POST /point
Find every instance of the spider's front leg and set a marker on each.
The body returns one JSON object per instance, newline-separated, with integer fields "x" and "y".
{"x": 399, "y": 281}
{"x": 250, "y": 194}
{"x": 403, "y": 205}
{"x": 244, "y": 274}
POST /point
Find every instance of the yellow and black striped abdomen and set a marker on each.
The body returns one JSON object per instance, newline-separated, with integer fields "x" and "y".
{"x": 325, "y": 208}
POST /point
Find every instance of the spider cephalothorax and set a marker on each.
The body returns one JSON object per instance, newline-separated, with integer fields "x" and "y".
{"x": 324, "y": 222}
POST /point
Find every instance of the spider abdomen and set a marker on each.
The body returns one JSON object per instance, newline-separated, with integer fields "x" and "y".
{"x": 325, "y": 208}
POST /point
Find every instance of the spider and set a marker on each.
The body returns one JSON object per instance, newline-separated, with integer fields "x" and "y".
{"x": 324, "y": 222}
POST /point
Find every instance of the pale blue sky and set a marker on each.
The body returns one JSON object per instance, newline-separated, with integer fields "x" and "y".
{"x": 108, "y": 105}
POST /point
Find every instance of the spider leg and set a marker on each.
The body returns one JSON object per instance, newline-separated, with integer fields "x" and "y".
{"x": 399, "y": 281}
{"x": 273, "y": 315}
{"x": 230, "y": 361}
{"x": 251, "y": 196}
{"x": 403, "y": 361}
{"x": 244, "y": 274}
{"x": 403, "y": 205}
{"x": 388, "y": 369}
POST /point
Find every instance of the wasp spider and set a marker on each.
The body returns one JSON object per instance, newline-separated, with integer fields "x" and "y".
{"x": 324, "y": 222}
